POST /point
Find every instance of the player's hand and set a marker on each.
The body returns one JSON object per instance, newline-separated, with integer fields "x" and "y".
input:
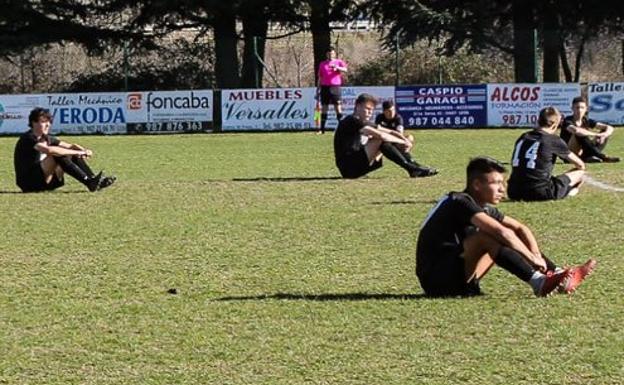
{"x": 87, "y": 153}
{"x": 540, "y": 263}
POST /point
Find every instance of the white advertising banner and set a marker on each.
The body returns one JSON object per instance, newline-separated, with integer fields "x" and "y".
{"x": 169, "y": 111}
{"x": 267, "y": 109}
{"x": 606, "y": 102}
{"x": 518, "y": 105}
{"x": 14, "y": 110}
{"x": 87, "y": 113}
{"x": 350, "y": 94}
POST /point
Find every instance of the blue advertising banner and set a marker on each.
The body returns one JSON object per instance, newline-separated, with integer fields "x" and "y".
{"x": 444, "y": 106}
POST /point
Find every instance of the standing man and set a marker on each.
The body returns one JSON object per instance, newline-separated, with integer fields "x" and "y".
{"x": 586, "y": 137}
{"x": 464, "y": 235}
{"x": 329, "y": 85}
{"x": 41, "y": 159}
{"x": 533, "y": 160}
{"x": 389, "y": 119}
{"x": 359, "y": 145}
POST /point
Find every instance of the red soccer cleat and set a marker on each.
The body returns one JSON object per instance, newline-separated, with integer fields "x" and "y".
{"x": 577, "y": 275}
{"x": 552, "y": 281}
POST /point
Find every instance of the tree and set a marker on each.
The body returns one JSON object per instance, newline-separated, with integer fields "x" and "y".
{"x": 484, "y": 24}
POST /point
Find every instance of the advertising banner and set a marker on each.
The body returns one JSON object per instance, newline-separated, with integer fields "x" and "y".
{"x": 518, "y": 105}
{"x": 444, "y": 106}
{"x": 87, "y": 113}
{"x": 169, "y": 111}
{"x": 606, "y": 102}
{"x": 267, "y": 109}
{"x": 14, "y": 110}
{"x": 349, "y": 94}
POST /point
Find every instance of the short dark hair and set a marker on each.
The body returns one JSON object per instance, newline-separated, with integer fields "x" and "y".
{"x": 330, "y": 48}
{"x": 482, "y": 165}
{"x": 37, "y": 114}
{"x": 366, "y": 98}
{"x": 579, "y": 99}
{"x": 388, "y": 104}
{"x": 547, "y": 116}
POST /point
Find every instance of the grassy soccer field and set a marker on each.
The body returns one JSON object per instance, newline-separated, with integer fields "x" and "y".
{"x": 285, "y": 274}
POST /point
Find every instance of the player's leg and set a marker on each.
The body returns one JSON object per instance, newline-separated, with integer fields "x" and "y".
{"x": 481, "y": 251}
{"x": 50, "y": 169}
{"x": 336, "y": 95}
{"x": 71, "y": 168}
{"x": 567, "y": 184}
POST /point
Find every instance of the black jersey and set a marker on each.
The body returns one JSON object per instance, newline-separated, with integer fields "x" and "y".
{"x": 347, "y": 138}
{"x": 391, "y": 124}
{"x": 533, "y": 159}
{"x": 586, "y": 123}
{"x": 26, "y": 156}
{"x": 446, "y": 226}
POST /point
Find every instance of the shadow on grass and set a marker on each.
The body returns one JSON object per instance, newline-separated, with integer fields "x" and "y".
{"x": 44, "y": 192}
{"x": 286, "y": 179}
{"x": 405, "y": 202}
{"x": 325, "y": 297}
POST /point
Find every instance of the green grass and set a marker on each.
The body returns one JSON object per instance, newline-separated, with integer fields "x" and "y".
{"x": 286, "y": 274}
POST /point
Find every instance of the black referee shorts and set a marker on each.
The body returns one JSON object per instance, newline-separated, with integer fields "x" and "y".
{"x": 331, "y": 95}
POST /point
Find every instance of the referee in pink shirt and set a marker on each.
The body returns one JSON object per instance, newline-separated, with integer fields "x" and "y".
{"x": 330, "y": 80}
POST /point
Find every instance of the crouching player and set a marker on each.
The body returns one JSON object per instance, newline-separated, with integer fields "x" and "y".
{"x": 464, "y": 235}
{"x": 41, "y": 160}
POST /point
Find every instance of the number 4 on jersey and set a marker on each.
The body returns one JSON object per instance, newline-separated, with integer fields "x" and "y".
{"x": 530, "y": 154}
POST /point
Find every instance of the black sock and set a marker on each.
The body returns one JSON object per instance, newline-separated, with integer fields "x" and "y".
{"x": 72, "y": 169}
{"x": 589, "y": 148}
{"x": 80, "y": 162}
{"x": 396, "y": 155}
{"x": 338, "y": 116}
{"x": 513, "y": 262}
{"x": 550, "y": 265}
{"x": 323, "y": 121}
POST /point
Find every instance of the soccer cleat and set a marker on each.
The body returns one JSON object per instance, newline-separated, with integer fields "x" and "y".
{"x": 592, "y": 159}
{"x": 577, "y": 275}
{"x": 551, "y": 282}
{"x": 422, "y": 172}
{"x": 611, "y": 159}
{"x": 107, "y": 181}
{"x": 93, "y": 184}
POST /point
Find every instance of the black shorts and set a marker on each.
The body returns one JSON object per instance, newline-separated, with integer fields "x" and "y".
{"x": 447, "y": 277}
{"x": 331, "y": 95}
{"x": 356, "y": 164}
{"x": 34, "y": 181}
{"x": 558, "y": 188}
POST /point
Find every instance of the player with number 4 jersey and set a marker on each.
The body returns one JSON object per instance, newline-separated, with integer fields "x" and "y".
{"x": 533, "y": 160}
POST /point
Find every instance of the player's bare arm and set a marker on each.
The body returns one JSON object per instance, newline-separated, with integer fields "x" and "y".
{"x": 507, "y": 237}
{"x": 379, "y": 134}
{"x": 575, "y": 160}
{"x": 524, "y": 233}
{"x": 58, "y": 150}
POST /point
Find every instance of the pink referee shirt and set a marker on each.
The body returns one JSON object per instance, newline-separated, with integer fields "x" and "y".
{"x": 329, "y": 76}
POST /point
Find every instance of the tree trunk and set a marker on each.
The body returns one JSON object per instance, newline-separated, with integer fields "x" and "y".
{"x": 254, "y": 26}
{"x": 525, "y": 67}
{"x": 563, "y": 55}
{"x": 321, "y": 33}
{"x": 226, "y": 55}
{"x": 552, "y": 45}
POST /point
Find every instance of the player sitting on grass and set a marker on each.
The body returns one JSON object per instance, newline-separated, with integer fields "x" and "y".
{"x": 41, "y": 159}
{"x": 359, "y": 144}
{"x": 464, "y": 235}
{"x": 586, "y": 137}
{"x": 533, "y": 160}
{"x": 389, "y": 119}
